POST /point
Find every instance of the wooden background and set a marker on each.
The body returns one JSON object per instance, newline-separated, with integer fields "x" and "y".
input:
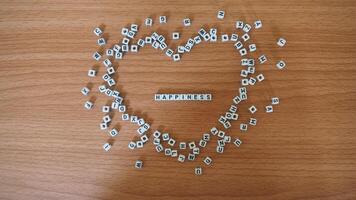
{"x": 51, "y": 147}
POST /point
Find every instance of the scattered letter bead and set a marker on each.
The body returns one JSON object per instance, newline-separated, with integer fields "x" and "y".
{"x": 198, "y": 171}
{"x": 281, "y": 42}
{"x": 98, "y": 31}
{"x": 138, "y": 164}
{"x": 281, "y": 64}
{"x": 221, "y": 14}
{"x": 106, "y": 146}
{"x": 208, "y": 160}
{"x": 186, "y": 22}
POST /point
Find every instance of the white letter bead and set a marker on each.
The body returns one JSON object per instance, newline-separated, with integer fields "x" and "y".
{"x": 235, "y": 116}
{"x": 234, "y": 37}
{"x": 269, "y": 109}
{"x": 238, "y": 45}
{"x": 167, "y": 151}
{"x": 247, "y": 28}
{"x": 243, "y": 52}
{"x": 103, "y": 126}
{"x": 208, "y": 160}
{"x": 219, "y": 149}
{"x": 131, "y": 34}
{"x": 176, "y": 57}
{"x": 162, "y": 19}
{"x": 96, "y": 56}
{"x": 159, "y": 148}
{"x": 125, "y": 117}
{"x": 102, "y": 88}
{"x": 197, "y": 39}
{"x": 156, "y": 134}
{"x": 144, "y": 138}
{"x": 139, "y": 144}
{"x": 105, "y": 109}
{"x": 106, "y": 118}
{"x": 253, "y": 121}
{"x": 182, "y": 145}
{"x": 181, "y": 49}
{"x": 169, "y": 52}
{"x": 192, "y": 145}
{"x": 237, "y": 142}
{"x": 141, "y": 122}
{"x": 262, "y": 59}
{"x": 243, "y": 127}
{"x": 260, "y": 77}
{"x": 221, "y": 14}
{"x": 221, "y": 134}
{"x": 236, "y": 100}
{"x": 98, "y": 31}
{"x": 206, "y": 136}
{"x": 118, "y": 55}
{"x": 148, "y": 22}
{"x": 134, "y": 48}
{"x": 252, "y": 47}
{"x": 85, "y": 91}
{"x": 138, "y": 164}
{"x": 110, "y": 70}
{"x": 91, "y": 73}
{"x": 109, "y": 52}
{"x": 239, "y": 24}
{"x": 134, "y": 27}
{"x": 181, "y": 158}
{"x": 202, "y": 143}
{"x": 111, "y": 82}
{"x": 165, "y": 136}
{"x": 213, "y": 38}
{"x": 202, "y": 32}
{"x": 233, "y": 108}
{"x": 186, "y": 22}
{"x": 244, "y": 82}
{"x": 122, "y": 108}
{"x": 281, "y": 64}
{"x": 132, "y": 145}
{"x": 106, "y": 146}
{"x": 101, "y": 41}
{"x": 227, "y": 139}
{"x": 275, "y": 100}
{"x": 191, "y": 157}
{"x": 281, "y": 42}
{"x": 171, "y": 142}
{"x": 252, "y": 109}
{"x": 156, "y": 141}
{"x": 148, "y": 40}
{"x": 224, "y": 37}
{"x": 258, "y": 24}
{"x": 88, "y": 105}
{"x": 141, "y": 43}
{"x": 107, "y": 63}
{"x": 174, "y": 153}
{"x": 245, "y": 37}
{"x": 196, "y": 151}
{"x": 198, "y": 171}
{"x": 206, "y": 37}
{"x": 124, "y": 31}
{"x": 214, "y": 131}
{"x": 113, "y": 132}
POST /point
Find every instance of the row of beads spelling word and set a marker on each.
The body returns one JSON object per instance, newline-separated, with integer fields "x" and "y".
{"x": 183, "y": 97}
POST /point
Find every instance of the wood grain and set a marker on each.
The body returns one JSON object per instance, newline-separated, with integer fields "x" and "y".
{"x": 51, "y": 148}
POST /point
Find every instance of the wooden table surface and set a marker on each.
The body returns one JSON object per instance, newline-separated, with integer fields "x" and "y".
{"x": 51, "y": 147}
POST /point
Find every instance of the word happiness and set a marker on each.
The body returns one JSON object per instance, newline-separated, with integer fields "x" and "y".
{"x": 183, "y": 97}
